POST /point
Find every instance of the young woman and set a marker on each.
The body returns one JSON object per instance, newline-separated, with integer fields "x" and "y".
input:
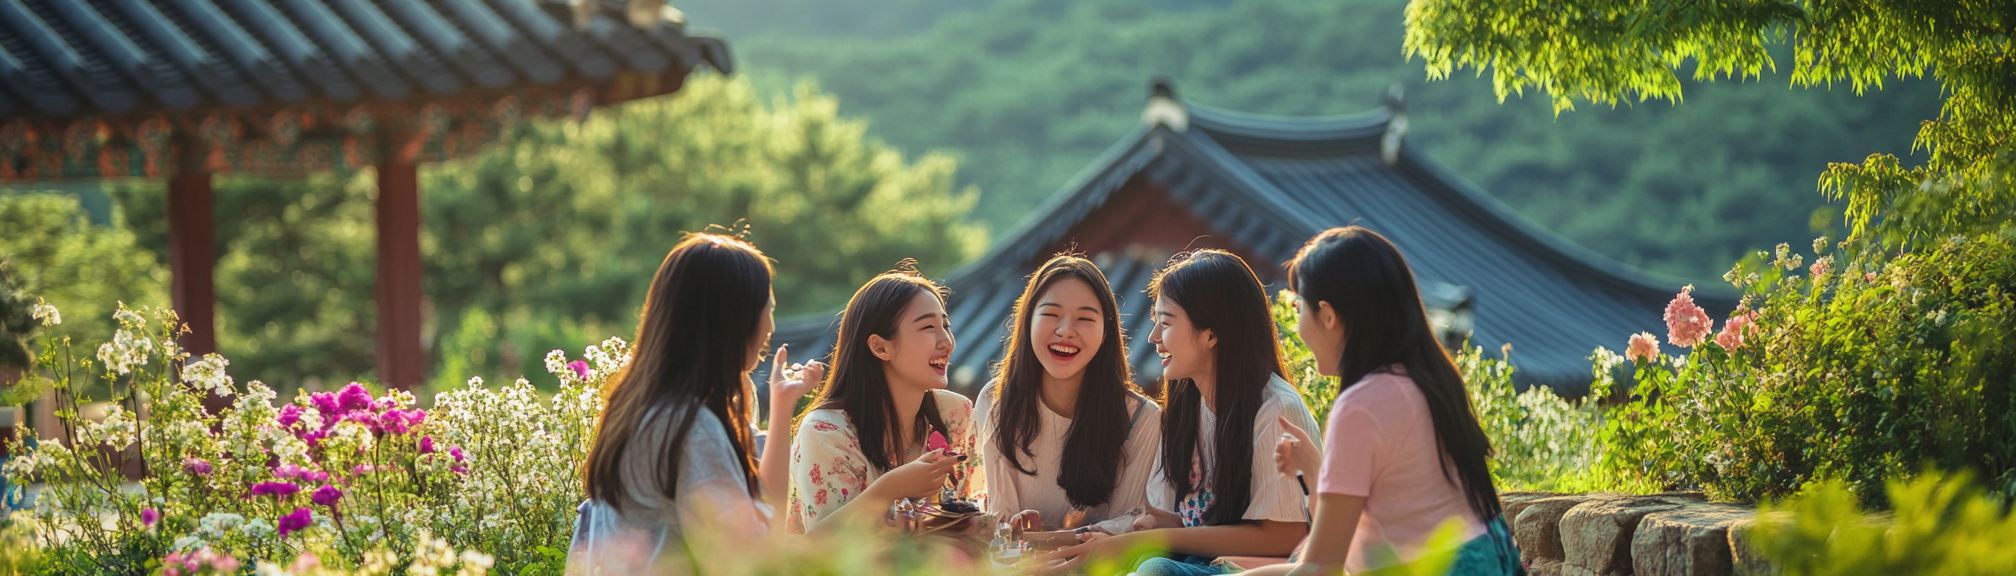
{"x": 1405, "y": 452}
{"x": 884, "y": 398}
{"x": 674, "y": 449}
{"x": 1064, "y": 394}
{"x": 1214, "y": 492}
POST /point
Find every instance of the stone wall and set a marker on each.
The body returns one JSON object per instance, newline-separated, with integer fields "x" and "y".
{"x": 1675, "y": 534}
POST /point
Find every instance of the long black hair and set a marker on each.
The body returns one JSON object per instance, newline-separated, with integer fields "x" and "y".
{"x": 1368, "y": 283}
{"x": 1219, "y": 293}
{"x": 1094, "y": 445}
{"x": 693, "y": 344}
{"x": 856, "y": 385}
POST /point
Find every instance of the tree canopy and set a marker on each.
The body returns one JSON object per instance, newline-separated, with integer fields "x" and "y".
{"x": 1607, "y": 52}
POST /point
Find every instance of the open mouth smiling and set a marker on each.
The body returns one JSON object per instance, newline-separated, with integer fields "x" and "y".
{"x": 1165, "y": 357}
{"x": 940, "y": 363}
{"x": 1063, "y": 352}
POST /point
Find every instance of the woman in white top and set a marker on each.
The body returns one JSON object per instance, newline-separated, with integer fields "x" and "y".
{"x": 883, "y": 403}
{"x": 1064, "y": 394}
{"x": 674, "y": 451}
{"x": 1214, "y": 493}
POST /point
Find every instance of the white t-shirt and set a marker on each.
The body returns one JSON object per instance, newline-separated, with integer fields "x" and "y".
{"x": 1010, "y": 491}
{"x": 1276, "y": 496}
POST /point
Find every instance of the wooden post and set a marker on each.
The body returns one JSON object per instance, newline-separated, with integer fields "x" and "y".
{"x": 400, "y": 359}
{"x": 192, "y": 258}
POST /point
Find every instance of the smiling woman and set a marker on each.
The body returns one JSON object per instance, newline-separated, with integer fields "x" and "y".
{"x": 884, "y": 395}
{"x": 1063, "y": 394}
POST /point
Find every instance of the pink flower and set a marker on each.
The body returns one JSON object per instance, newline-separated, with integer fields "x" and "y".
{"x": 149, "y": 516}
{"x": 289, "y": 415}
{"x": 1820, "y": 266}
{"x": 456, "y": 452}
{"x": 354, "y": 397}
{"x": 326, "y": 402}
{"x": 427, "y": 445}
{"x": 296, "y": 520}
{"x": 1736, "y": 330}
{"x": 361, "y": 470}
{"x": 274, "y": 489}
{"x": 937, "y": 442}
{"x": 196, "y": 466}
{"x": 580, "y": 368}
{"x": 1644, "y": 347}
{"x": 327, "y": 496}
{"x": 1687, "y": 325}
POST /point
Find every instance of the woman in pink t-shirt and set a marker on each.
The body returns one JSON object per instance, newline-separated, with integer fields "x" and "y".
{"x": 1403, "y": 453}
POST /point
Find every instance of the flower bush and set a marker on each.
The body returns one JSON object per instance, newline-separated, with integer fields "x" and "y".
{"x": 1873, "y": 368}
{"x": 337, "y": 477}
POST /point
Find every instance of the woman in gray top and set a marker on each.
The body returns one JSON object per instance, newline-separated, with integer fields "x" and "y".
{"x": 675, "y": 445}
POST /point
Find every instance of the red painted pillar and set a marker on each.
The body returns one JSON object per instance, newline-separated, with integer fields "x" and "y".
{"x": 400, "y": 358}
{"x": 192, "y": 258}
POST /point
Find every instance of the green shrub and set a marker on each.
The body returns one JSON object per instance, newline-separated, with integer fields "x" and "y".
{"x": 1862, "y": 372}
{"x": 1937, "y": 525}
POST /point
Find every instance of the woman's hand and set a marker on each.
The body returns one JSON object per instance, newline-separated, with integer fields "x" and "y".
{"x": 1295, "y": 453}
{"x": 784, "y": 390}
{"x": 921, "y": 477}
{"x": 1154, "y": 518}
{"x": 1091, "y": 547}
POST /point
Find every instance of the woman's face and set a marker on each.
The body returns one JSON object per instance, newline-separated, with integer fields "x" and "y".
{"x": 921, "y": 348}
{"x": 1067, "y": 328}
{"x": 765, "y": 324}
{"x": 1319, "y": 328}
{"x": 1186, "y": 351}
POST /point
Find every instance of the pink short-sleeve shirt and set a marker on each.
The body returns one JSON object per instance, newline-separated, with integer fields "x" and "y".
{"x": 1380, "y": 444}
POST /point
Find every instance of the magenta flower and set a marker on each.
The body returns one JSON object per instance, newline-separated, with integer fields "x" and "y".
{"x": 298, "y": 519}
{"x": 1687, "y": 325}
{"x": 361, "y": 470}
{"x": 937, "y": 442}
{"x": 427, "y": 445}
{"x": 580, "y": 368}
{"x": 196, "y": 466}
{"x": 354, "y": 397}
{"x": 1644, "y": 347}
{"x": 455, "y": 451}
{"x": 459, "y": 469}
{"x": 289, "y": 415}
{"x": 275, "y": 489}
{"x": 327, "y": 495}
{"x": 325, "y": 402}
{"x": 149, "y": 516}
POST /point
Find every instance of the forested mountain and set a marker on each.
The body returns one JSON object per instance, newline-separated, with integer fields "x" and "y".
{"x": 1026, "y": 92}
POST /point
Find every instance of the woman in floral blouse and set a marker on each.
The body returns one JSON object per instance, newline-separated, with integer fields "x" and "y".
{"x": 884, "y": 403}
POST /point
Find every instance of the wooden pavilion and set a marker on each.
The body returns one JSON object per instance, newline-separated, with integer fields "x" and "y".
{"x": 184, "y": 90}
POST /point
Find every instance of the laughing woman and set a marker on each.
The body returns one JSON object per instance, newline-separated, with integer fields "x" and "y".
{"x": 1406, "y": 453}
{"x": 884, "y": 398}
{"x": 674, "y": 450}
{"x": 1214, "y": 492}
{"x": 1064, "y": 394}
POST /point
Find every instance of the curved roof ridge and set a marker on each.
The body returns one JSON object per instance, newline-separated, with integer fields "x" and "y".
{"x": 1354, "y": 126}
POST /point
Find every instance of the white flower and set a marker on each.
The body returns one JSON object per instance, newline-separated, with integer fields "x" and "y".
{"x": 556, "y": 364}
{"x": 46, "y": 313}
{"x": 125, "y": 350}
{"x": 258, "y": 528}
{"x": 208, "y": 374}
{"x": 187, "y": 543}
{"x": 1819, "y": 244}
{"x": 129, "y": 318}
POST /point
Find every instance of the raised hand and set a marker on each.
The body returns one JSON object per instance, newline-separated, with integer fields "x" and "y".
{"x": 1295, "y": 453}
{"x": 789, "y": 382}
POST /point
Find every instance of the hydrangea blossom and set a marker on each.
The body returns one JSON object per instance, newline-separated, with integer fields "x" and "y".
{"x": 1687, "y": 325}
{"x": 1736, "y": 330}
{"x": 1643, "y": 348}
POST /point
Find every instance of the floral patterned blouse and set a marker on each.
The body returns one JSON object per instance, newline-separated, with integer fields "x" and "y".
{"x": 828, "y": 469}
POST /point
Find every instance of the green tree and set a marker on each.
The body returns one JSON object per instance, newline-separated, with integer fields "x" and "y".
{"x": 1605, "y": 52}
{"x": 85, "y": 271}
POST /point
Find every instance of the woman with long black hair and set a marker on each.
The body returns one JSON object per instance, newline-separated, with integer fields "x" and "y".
{"x": 883, "y": 404}
{"x": 1214, "y": 492}
{"x": 1064, "y": 393}
{"x": 674, "y": 449}
{"x": 1405, "y": 452}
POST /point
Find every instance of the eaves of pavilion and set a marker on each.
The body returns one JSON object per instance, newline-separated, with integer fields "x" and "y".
{"x": 187, "y": 89}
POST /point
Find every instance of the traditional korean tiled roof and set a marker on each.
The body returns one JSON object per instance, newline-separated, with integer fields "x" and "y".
{"x": 1269, "y": 183}
{"x": 94, "y": 88}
